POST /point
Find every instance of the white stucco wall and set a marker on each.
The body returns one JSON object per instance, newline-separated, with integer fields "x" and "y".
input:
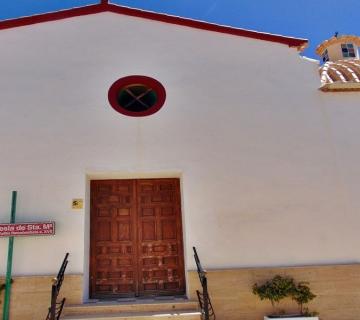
{"x": 269, "y": 164}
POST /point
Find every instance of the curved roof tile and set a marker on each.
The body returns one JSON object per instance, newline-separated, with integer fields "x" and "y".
{"x": 341, "y": 75}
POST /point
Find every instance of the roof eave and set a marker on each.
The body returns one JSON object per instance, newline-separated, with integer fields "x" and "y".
{"x": 52, "y": 16}
{"x": 298, "y": 43}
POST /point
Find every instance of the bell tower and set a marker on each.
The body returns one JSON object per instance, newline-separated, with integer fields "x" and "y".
{"x": 340, "y": 69}
{"x": 342, "y": 47}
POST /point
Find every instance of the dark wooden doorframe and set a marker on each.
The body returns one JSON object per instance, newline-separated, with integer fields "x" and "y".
{"x": 136, "y": 238}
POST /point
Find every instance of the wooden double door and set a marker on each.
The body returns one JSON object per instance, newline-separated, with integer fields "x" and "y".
{"x": 136, "y": 246}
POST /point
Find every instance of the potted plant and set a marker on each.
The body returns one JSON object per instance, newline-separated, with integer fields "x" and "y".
{"x": 279, "y": 288}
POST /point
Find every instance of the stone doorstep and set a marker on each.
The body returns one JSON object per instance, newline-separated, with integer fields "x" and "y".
{"x": 162, "y": 315}
{"x": 147, "y": 306}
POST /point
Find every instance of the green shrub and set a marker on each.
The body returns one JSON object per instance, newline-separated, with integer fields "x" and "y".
{"x": 302, "y": 295}
{"x": 280, "y": 287}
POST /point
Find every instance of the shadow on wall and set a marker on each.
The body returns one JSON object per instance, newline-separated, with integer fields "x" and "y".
{"x": 336, "y": 288}
{"x": 30, "y": 295}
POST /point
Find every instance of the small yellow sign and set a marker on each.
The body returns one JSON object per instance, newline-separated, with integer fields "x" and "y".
{"x": 77, "y": 203}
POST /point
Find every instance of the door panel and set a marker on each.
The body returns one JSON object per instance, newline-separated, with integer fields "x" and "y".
{"x": 113, "y": 266}
{"x": 161, "y": 266}
{"x": 136, "y": 238}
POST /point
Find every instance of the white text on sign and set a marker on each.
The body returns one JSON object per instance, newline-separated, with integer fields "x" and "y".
{"x": 27, "y": 229}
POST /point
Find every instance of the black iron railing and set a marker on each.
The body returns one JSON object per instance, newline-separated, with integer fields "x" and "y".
{"x": 57, "y": 307}
{"x": 207, "y": 311}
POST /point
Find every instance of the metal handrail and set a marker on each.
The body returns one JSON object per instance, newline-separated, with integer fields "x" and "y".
{"x": 207, "y": 310}
{"x": 57, "y": 307}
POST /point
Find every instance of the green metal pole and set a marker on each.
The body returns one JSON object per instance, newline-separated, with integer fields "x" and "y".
{"x": 9, "y": 261}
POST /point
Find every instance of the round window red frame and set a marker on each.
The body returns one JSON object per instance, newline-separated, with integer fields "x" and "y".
{"x": 131, "y": 80}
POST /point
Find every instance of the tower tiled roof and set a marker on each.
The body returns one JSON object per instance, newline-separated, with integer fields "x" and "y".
{"x": 340, "y": 75}
{"x": 337, "y": 39}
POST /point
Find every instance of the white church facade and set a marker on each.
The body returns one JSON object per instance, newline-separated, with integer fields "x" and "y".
{"x": 171, "y": 133}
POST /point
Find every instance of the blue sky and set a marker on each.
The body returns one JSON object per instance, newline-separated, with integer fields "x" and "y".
{"x": 315, "y": 20}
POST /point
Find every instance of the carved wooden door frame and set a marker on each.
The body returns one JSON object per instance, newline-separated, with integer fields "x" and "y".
{"x": 159, "y": 268}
